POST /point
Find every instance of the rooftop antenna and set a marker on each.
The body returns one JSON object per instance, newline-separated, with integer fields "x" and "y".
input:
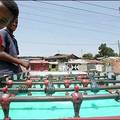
{"x": 119, "y": 47}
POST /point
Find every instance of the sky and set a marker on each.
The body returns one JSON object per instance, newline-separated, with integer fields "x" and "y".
{"x": 67, "y": 27}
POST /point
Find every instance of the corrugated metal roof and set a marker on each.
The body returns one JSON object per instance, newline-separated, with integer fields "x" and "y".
{"x": 53, "y": 63}
{"x": 81, "y": 61}
{"x": 58, "y": 56}
{"x": 94, "y": 62}
{"x": 38, "y": 61}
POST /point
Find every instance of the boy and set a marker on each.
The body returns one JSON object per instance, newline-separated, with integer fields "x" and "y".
{"x": 8, "y": 10}
{"x": 9, "y": 63}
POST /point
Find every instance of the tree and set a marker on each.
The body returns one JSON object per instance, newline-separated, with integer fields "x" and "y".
{"x": 87, "y": 56}
{"x": 97, "y": 56}
{"x": 105, "y": 51}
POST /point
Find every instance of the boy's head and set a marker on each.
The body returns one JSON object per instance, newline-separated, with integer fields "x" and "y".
{"x": 13, "y": 24}
{"x": 8, "y": 11}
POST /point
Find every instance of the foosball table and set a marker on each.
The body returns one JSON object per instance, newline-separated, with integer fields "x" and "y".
{"x": 79, "y": 98}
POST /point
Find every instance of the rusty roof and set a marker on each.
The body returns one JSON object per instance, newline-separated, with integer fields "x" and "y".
{"x": 38, "y": 61}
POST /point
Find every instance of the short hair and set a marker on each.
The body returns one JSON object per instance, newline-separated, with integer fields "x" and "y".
{"x": 12, "y": 6}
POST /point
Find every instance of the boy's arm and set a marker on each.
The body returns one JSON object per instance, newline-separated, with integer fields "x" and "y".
{"x": 8, "y": 58}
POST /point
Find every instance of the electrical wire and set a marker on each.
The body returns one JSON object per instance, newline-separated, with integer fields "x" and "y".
{"x": 96, "y": 5}
{"x": 56, "y": 10}
{"x": 75, "y": 8}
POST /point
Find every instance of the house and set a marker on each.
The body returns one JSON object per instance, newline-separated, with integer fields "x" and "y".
{"x": 53, "y": 66}
{"x": 95, "y": 65}
{"x": 112, "y": 64}
{"x": 39, "y": 65}
{"x": 77, "y": 65}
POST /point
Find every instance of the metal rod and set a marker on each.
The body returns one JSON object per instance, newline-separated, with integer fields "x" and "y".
{"x": 62, "y": 89}
{"x": 71, "y": 82}
{"x": 101, "y": 96}
{"x": 59, "y": 98}
{"x": 66, "y": 76}
{"x": 40, "y": 99}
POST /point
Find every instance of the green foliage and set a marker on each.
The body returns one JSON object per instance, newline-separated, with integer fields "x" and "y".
{"x": 97, "y": 56}
{"x": 105, "y": 51}
{"x": 88, "y": 56}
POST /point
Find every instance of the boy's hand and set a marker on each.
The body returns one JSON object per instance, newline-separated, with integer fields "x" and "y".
{"x": 26, "y": 64}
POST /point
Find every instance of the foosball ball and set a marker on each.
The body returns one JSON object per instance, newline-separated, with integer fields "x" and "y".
{"x": 82, "y": 98}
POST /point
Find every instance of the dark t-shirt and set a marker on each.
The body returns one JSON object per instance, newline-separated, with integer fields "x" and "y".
{"x": 8, "y": 41}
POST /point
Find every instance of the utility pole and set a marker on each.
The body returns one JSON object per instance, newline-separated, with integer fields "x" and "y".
{"x": 81, "y": 52}
{"x": 119, "y": 47}
{"x": 119, "y": 10}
